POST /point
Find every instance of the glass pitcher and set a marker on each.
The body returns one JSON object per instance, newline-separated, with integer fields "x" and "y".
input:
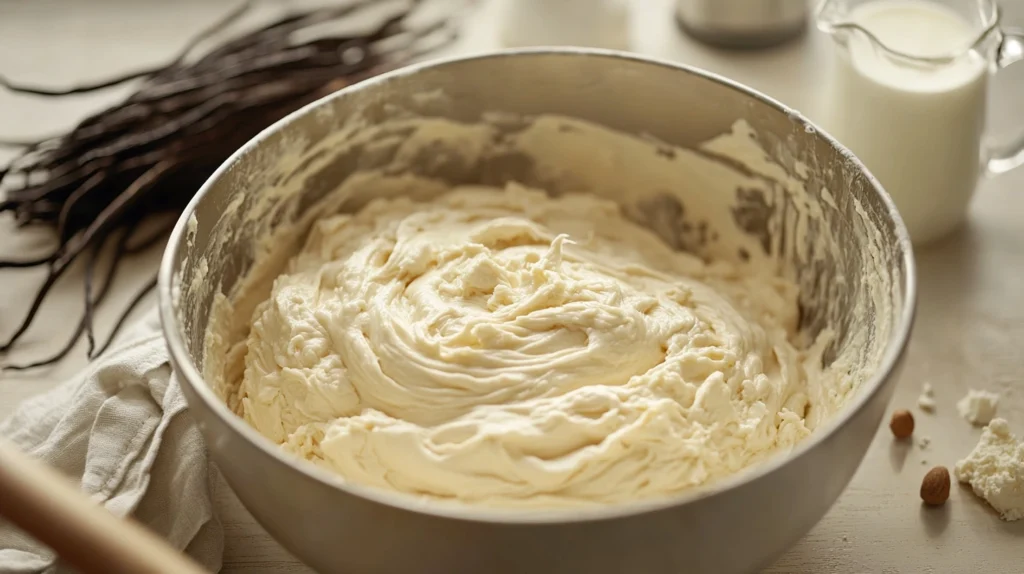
{"x": 907, "y": 94}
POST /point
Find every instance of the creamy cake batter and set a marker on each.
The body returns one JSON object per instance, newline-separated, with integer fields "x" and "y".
{"x": 501, "y": 347}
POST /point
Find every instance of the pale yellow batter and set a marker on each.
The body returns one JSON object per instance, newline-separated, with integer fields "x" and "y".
{"x": 504, "y": 348}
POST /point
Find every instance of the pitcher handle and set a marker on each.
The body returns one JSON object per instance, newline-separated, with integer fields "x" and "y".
{"x": 1003, "y": 158}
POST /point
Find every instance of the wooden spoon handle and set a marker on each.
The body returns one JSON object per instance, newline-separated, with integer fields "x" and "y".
{"x": 47, "y": 506}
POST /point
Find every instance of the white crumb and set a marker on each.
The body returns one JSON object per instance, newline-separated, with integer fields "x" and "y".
{"x": 926, "y": 400}
{"x": 995, "y": 470}
{"x": 978, "y": 407}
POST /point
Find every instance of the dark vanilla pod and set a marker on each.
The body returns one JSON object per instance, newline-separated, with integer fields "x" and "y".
{"x": 150, "y": 153}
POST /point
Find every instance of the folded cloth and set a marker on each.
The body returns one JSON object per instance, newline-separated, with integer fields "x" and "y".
{"x": 121, "y": 429}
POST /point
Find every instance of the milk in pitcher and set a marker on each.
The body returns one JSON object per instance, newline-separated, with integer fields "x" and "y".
{"x": 917, "y": 125}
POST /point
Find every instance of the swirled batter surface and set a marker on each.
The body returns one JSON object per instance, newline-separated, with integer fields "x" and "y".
{"x": 501, "y": 347}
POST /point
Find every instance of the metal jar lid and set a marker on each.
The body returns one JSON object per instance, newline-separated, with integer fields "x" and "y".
{"x": 742, "y": 23}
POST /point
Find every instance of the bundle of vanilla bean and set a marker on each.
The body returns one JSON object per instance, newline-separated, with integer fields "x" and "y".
{"x": 150, "y": 153}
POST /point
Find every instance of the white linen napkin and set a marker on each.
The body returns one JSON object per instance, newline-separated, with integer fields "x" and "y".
{"x": 122, "y": 430}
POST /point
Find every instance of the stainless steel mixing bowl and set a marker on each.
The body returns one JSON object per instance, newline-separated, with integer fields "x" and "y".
{"x": 738, "y": 525}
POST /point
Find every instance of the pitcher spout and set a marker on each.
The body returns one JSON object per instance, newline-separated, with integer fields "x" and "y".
{"x": 842, "y": 19}
{"x": 830, "y": 15}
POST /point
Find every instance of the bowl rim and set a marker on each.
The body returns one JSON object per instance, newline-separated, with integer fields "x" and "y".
{"x": 190, "y": 375}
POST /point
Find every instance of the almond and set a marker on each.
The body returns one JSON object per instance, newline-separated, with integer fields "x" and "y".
{"x": 935, "y": 486}
{"x": 902, "y": 423}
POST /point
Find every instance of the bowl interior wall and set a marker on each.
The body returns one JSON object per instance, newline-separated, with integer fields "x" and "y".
{"x": 637, "y": 97}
